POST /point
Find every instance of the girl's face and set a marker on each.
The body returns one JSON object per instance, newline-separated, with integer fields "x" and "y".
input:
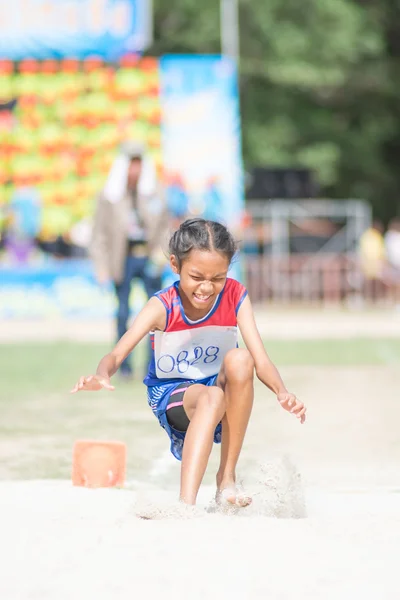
{"x": 202, "y": 277}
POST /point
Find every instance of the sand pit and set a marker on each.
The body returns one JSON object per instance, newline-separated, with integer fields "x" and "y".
{"x": 331, "y": 534}
{"x": 60, "y": 542}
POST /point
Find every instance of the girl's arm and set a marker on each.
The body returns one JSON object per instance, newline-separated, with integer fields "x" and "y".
{"x": 151, "y": 317}
{"x": 265, "y": 369}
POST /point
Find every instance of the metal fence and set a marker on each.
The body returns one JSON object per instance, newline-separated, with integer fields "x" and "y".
{"x": 306, "y": 251}
{"x": 316, "y": 279}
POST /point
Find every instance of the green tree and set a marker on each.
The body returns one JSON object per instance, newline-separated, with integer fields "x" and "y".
{"x": 318, "y": 86}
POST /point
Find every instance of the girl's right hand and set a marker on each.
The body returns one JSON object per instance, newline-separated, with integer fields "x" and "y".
{"x": 92, "y": 383}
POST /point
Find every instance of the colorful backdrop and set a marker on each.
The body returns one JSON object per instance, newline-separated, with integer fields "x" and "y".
{"x": 63, "y": 127}
{"x": 60, "y": 127}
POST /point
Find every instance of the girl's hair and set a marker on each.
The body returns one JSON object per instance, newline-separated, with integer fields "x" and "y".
{"x": 199, "y": 234}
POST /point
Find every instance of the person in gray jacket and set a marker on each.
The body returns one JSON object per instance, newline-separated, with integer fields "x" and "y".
{"x": 130, "y": 225}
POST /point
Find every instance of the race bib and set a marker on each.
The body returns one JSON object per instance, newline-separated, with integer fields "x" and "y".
{"x": 192, "y": 353}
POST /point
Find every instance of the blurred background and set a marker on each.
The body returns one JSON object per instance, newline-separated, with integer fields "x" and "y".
{"x": 118, "y": 119}
{"x": 291, "y": 137}
{"x": 281, "y": 120}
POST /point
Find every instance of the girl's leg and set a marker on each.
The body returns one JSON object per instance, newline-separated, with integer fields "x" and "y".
{"x": 236, "y": 379}
{"x": 205, "y": 407}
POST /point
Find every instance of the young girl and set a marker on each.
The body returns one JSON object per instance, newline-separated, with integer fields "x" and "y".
{"x": 200, "y": 384}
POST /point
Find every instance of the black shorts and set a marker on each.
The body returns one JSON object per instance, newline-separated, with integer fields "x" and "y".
{"x": 176, "y": 415}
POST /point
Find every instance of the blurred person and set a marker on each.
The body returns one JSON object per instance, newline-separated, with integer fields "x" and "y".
{"x": 372, "y": 257}
{"x": 130, "y": 224}
{"x": 392, "y": 247}
{"x": 392, "y": 244}
{"x": 3, "y": 223}
{"x": 200, "y": 385}
{"x": 25, "y": 213}
{"x": 79, "y": 237}
{"x": 56, "y": 246}
{"x": 213, "y": 202}
{"x": 177, "y": 197}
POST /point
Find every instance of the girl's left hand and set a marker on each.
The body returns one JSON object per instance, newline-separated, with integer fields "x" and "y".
{"x": 290, "y": 403}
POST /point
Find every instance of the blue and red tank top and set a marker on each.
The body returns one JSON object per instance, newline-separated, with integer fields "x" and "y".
{"x": 194, "y": 350}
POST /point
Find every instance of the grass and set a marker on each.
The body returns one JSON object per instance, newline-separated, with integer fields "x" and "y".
{"x": 350, "y": 352}
{"x": 54, "y": 367}
{"x": 41, "y": 420}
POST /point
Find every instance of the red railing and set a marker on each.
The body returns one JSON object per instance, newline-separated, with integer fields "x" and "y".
{"x": 319, "y": 279}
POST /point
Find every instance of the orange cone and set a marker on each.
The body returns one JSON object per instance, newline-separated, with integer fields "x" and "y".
{"x": 98, "y": 464}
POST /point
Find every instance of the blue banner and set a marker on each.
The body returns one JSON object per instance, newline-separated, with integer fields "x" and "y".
{"x": 74, "y": 28}
{"x": 59, "y": 288}
{"x": 201, "y": 137}
{"x": 64, "y": 289}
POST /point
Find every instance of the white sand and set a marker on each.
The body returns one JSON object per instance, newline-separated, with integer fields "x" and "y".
{"x": 58, "y": 542}
{"x": 63, "y": 543}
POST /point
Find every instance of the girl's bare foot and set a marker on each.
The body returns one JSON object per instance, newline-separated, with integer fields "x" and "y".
{"x": 229, "y": 494}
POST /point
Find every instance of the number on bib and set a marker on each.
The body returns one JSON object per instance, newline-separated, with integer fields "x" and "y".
{"x": 198, "y": 353}
{"x": 166, "y": 363}
{"x": 212, "y": 354}
{"x": 182, "y": 362}
{"x": 192, "y": 353}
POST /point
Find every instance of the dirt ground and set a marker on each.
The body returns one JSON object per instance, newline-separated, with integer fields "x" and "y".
{"x": 272, "y": 322}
